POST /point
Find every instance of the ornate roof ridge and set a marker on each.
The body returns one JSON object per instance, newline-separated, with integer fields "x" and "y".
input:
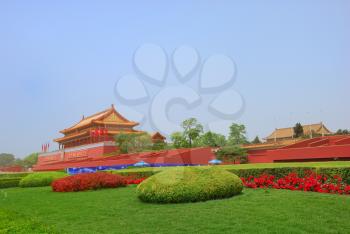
{"x": 97, "y": 116}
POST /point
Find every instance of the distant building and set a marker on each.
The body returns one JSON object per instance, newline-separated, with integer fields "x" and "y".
{"x": 100, "y": 127}
{"x": 92, "y": 138}
{"x": 158, "y": 138}
{"x": 312, "y": 130}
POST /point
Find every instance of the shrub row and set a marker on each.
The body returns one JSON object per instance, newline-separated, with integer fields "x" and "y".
{"x": 136, "y": 174}
{"x": 279, "y": 172}
{"x": 91, "y": 181}
{"x": 40, "y": 179}
{"x": 310, "y": 182}
{"x": 13, "y": 175}
{"x": 343, "y": 172}
{"x": 9, "y": 182}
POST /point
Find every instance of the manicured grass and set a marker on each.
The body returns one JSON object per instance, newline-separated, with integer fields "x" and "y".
{"x": 119, "y": 211}
{"x": 11, "y": 222}
{"x": 257, "y": 165}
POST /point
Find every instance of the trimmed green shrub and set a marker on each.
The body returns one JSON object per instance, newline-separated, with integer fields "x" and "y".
{"x": 13, "y": 175}
{"x": 189, "y": 184}
{"x": 40, "y": 179}
{"x": 137, "y": 173}
{"x": 9, "y": 182}
{"x": 343, "y": 172}
{"x": 277, "y": 172}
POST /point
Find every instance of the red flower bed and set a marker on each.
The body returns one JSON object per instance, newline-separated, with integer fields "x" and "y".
{"x": 91, "y": 181}
{"x": 131, "y": 180}
{"x": 310, "y": 182}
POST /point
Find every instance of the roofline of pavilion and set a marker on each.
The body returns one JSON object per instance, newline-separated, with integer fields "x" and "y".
{"x": 87, "y": 133}
{"x": 271, "y": 136}
{"x": 108, "y": 111}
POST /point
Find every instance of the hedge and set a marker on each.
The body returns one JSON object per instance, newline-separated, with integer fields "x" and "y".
{"x": 343, "y": 172}
{"x": 9, "y": 182}
{"x": 279, "y": 172}
{"x": 189, "y": 184}
{"x": 136, "y": 174}
{"x": 13, "y": 175}
{"x": 40, "y": 179}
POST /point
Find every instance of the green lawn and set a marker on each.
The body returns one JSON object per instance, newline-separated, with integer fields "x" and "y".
{"x": 119, "y": 211}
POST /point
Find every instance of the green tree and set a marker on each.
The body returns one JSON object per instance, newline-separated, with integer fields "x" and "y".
{"x": 179, "y": 141}
{"x": 143, "y": 142}
{"x": 298, "y": 130}
{"x": 7, "y": 159}
{"x": 192, "y": 130}
{"x": 29, "y": 160}
{"x": 256, "y": 140}
{"x": 232, "y": 153}
{"x": 211, "y": 139}
{"x": 159, "y": 146}
{"x": 342, "y": 132}
{"x": 132, "y": 142}
{"x": 237, "y": 134}
{"x": 122, "y": 141}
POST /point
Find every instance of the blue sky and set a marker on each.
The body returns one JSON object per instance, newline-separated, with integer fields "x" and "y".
{"x": 61, "y": 59}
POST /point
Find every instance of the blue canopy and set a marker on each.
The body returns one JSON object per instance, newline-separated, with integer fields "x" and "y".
{"x": 215, "y": 161}
{"x": 141, "y": 164}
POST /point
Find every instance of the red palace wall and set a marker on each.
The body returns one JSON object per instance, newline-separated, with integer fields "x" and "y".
{"x": 50, "y": 157}
{"x": 316, "y": 149}
{"x": 12, "y": 169}
{"x": 84, "y": 152}
{"x": 176, "y": 156}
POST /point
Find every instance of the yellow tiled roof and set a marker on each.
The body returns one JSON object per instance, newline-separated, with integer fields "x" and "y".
{"x": 71, "y": 136}
{"x": 98, "y": 116}
{"x": 267, "y": 145}
{"x": 157, "y": 134}
{"x": 289, "y": 132}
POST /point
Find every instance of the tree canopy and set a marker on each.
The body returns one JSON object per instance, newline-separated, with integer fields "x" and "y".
{"x": 342, "y": 132}
{"x": 237, "y": 135}
{"x": 131, "y": 143}
{"x": 298, "y": 130}
{"x": 179, "y": 140}
{"x": 211, "y": 139}
{"x": 232, "y": 153}
{"x": 256, "y": 140}
{"x": 192, "y": 130}
{"x": 29, "y": 160}
{"x": 6, "y": 159}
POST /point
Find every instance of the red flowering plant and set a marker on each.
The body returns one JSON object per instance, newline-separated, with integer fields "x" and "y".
{"x": 91, "y": 181}
{"x": 310, "y": 182}
{"x": 134, "y": 180}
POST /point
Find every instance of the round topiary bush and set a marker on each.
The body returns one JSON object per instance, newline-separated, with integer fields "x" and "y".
{"x": 189, "y": 184}
{"x": 39, "y": 179}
